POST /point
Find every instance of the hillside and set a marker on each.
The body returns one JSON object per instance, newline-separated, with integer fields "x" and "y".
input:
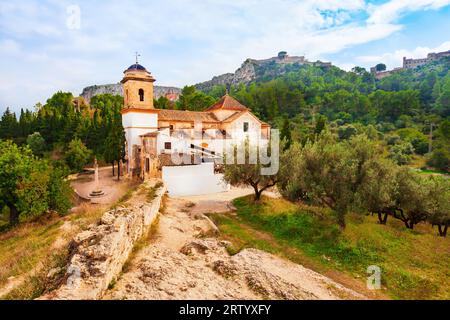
{"x": 413, "y": 263}
{"x": 258, "y": 70}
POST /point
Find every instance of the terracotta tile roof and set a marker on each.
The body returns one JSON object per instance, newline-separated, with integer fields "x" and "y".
{"x": 227, "y": 103}
{"x": 188, "y": 116}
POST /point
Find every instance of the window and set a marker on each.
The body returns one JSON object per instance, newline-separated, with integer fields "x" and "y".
{"x": 167, "y": 145}
{"x": 171, "y": 127}
{"x": 245, "y": 126}
{"x": 141, "y": 94}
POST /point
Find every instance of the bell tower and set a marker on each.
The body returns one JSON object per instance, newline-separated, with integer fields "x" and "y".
{"x": 139, "y": 116}
{"x": 137, "y": 86}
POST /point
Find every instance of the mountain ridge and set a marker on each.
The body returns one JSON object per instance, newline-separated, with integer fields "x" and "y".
{"x": 116, "y": 89}
{"x": 253, "y": 69}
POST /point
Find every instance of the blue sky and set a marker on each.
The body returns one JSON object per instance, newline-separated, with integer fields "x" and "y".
{"x": 46, "y": 46}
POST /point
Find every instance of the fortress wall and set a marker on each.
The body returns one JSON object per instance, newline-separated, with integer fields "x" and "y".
{"x": 99, "y": 253}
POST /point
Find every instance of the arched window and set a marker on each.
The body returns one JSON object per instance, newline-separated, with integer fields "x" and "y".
{"x": 141, "y": 94}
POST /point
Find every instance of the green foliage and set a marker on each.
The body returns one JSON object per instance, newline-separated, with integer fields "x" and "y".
{"x": 307, "y": 235}
{"x": 163, "y": 103}
{"x": 438, "y": 209}
{"x": 27, "y": 184}
{"x": 249, "y": 174}
{"x": 36, "y": 143}
{"x": 418, "y": 140}
{"x": 440, "y": 159}
{"x": 285, "y": 133}
{"x": 115, "y": 141}
{"x": 60, "y": 192}
{"x": 8, "y": 125}
{"x": 77, "y": 155}
{"x": 380, "y": 67}
{"x": 440, "y": 156}
{"x": 329, "y": 172}
{"x": 401, "y": 153}
{"x": 346, "y": 132}
{"x": 191, "y": 99}
{"x": 354, "y": 176}
{"x": 442, "y": 105}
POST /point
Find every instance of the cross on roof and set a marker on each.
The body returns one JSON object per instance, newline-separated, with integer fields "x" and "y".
{"x": 137, "y": 55}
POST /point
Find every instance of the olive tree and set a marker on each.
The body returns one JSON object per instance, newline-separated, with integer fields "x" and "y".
{"x": 439, "y": 200}
{"x": 329, "y": 172}
{"x": 378, "y": 192}
{"x": 247, "y": 172}
{"x": 412, "y": 198}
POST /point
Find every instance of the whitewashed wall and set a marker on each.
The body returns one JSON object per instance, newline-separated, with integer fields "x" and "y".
{"x": 136, "y": 124}
{"x": 193, "y": 180}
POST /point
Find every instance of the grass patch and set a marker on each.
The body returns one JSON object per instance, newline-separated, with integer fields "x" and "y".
{"x": 28, "y": 251}
{"x": 139, "y": 245}
{"x": 151, "y": 193}
{"x": 40, "y": 282}
{"x": 414, "y": 263}
{"x": 22, "y": 248}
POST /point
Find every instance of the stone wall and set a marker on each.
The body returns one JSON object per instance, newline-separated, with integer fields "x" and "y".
{"x": 99, "y": 253}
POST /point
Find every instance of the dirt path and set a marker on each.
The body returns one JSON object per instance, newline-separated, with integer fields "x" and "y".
{"x": 185, "y": 260}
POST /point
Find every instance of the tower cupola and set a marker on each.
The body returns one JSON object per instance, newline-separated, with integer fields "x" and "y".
{"x": 137, "y": 86}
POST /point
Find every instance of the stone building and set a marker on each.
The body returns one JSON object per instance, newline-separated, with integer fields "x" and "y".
{"x": 413, "y": 63}
{"x": 154, "y": 136}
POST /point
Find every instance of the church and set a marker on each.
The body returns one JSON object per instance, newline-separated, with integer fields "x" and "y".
{"x": 155, "y": 137}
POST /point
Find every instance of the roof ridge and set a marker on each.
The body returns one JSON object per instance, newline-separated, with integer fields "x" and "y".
{"x": 227, "y": 102}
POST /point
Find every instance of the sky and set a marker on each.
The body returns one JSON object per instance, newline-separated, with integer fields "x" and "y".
{"x": 57, "y": 45}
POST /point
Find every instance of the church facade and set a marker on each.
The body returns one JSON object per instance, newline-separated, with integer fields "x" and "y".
{"x": 159, "y": 137}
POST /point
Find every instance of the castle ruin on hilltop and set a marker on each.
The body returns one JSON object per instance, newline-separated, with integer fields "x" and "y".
{"x": 410, "y": 63}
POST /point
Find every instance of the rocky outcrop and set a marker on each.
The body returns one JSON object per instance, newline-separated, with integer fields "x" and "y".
{"x": 99, "y": 253}
{"x": 187, "y": 260}
{"x": 202, "y": 269}
{"x": 116, "y": 89}
{"x": 253, "y": 70}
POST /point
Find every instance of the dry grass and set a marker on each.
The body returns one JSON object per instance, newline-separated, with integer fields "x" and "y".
{"x": 27, "y": 251}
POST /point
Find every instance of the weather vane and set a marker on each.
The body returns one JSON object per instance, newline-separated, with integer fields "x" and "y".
{"x": 137, "y": 55}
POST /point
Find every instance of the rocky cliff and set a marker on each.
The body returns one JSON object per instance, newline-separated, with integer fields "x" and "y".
{"x": 116, "y": 89}
{"x": 253, "y": 70}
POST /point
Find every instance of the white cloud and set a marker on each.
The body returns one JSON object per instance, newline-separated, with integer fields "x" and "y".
{"x": 392, "y": 10}
{"x": 395, "y": 59}
{"x": 181, "y": 41}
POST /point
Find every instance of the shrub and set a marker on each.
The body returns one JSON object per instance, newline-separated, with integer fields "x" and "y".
{"x": 440, "y": 159}
{"x": 77, "y": 155}
{"x": 36, "y": 143}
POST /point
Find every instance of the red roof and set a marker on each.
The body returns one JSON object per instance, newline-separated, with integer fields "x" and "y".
{"x": 227, "y": 103}
{"x": 186, "y": 116}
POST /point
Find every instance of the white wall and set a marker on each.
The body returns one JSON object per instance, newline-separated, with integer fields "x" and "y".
{"x": 237, "y": 128}
{"x": 135, "y": 125}
{"x": 140, "y": 119}
{"x": 193, "y": 180}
